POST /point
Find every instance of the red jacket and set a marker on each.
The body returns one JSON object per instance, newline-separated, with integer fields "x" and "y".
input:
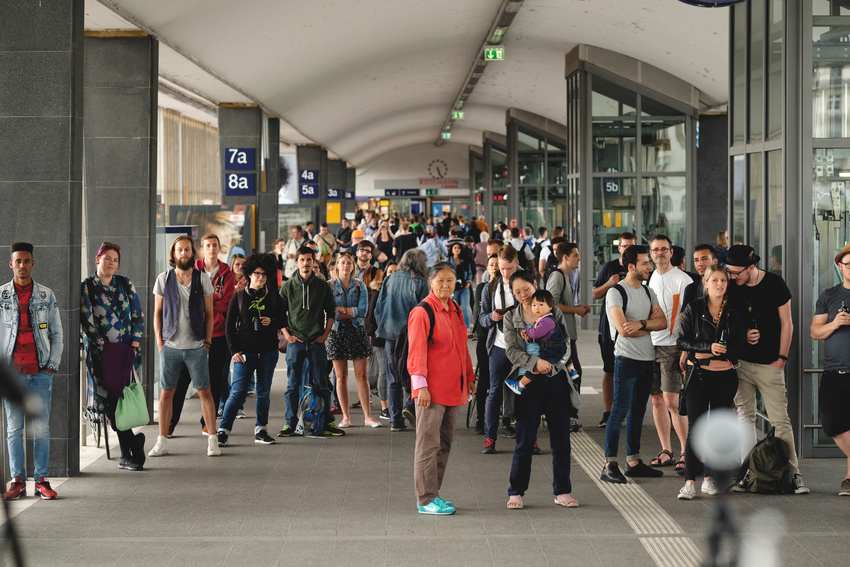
{"x": 223, "y": 283}
{"x": 445, "y": 363}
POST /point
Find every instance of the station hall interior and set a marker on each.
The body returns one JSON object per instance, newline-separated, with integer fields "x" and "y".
{"x": 132, "y": 121}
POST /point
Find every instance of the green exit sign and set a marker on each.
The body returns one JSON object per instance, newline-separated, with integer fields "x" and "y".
{"x": 446, "y": 135}
{"x": 457, "y": 115}
{"x": 430, "y": 192}
{"x": 494, "y": 54}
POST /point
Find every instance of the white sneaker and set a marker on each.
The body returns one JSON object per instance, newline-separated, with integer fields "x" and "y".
{"x": 372, "y": 422}
{"x": 212, "y": 446}
{"x": 709, "y": 486}
{"x": 159, "y": 449}
{"x": 687, "y": 492}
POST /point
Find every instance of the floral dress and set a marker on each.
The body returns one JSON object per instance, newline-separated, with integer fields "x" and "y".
{"x": 113, "y": 314}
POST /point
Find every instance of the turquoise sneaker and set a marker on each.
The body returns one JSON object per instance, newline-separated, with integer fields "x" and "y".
{"x": 515, "y": 386}
{"x": 437, "y": 507}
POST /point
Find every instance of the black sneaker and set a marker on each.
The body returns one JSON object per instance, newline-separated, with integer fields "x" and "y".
{"x": 612, "y": 474}
{"x": 409, "y": 416}
{"x": 640, "y": 470}
{"x": 287, "y": 431}
{"x": 398, "y": 428}
{"x": 537, "y": 450}
{"x": 222, "y": 438}
{"x": 509, "y": 431}
{"x": 318, "y": 435}
{"x": 489, "y": 446}
{"x": 262, "y": 437}
{"x": 604, "y": 421}
{"x": 574, "y": 425}
{"x": 333, "y": 429}
{"x": 385, "y": 414}
{"x": 479, "y": 428}
{"x": 128, "y": 465}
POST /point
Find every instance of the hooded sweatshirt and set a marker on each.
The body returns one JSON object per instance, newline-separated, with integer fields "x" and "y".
{"x": 307, "y": 305}
{"x": 224, "y": 285}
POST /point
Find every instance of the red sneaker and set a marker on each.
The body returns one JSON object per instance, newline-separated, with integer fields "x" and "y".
{"x": 42, "y": 488}
{"x": 336, "y": 410}
{"x": 18, "y": 489}
{"x": 489, "y": 446}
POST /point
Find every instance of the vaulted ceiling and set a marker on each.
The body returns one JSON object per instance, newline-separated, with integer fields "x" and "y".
{"x": 366, "y": 77}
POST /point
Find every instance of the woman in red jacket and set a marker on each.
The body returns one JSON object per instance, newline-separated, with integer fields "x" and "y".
{"x": 442, "y": 379}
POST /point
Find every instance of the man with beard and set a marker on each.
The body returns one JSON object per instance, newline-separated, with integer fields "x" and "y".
{"x": 183, "y": 327}
{"x": 634, "y": 312}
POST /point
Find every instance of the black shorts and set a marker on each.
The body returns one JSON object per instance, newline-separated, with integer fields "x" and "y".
{"x": 606, "y": 347}
{"x": 834, "y": 399}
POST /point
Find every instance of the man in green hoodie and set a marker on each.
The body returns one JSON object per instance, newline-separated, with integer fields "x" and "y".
{"x": 310, "y": 309}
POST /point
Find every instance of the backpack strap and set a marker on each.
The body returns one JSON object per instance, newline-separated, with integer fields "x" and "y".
{"x": 430, "y": 311}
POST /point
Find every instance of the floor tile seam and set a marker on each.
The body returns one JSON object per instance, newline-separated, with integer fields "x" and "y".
{"x": 468, "y": 474}
{"x": 640, "y": 518}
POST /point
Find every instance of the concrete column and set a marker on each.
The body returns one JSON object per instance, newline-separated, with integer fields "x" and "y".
{"x": 269, "y": 206}
{"x": 41, "y": 148}
{"x": 240, "y": 142}
{"x": 335, "y": 193}
{"x": 313, "y": 159}
{"x": 120, "y": 159}
{"x": 350, "y": 191}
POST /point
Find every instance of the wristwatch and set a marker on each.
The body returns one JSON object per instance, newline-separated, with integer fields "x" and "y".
{"x": 643, "y": 324}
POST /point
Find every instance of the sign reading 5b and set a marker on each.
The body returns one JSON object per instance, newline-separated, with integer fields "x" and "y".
{"x": 239, "y": 159}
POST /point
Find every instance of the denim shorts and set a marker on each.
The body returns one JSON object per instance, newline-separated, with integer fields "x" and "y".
{"x": 172, "y": 360}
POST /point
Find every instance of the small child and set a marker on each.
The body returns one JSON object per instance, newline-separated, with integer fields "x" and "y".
{"x": 544, "y": 339}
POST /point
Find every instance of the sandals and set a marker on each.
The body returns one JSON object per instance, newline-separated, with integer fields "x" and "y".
{"x": 680, "y": 465}
{"x": 567, "y": 502}
{"x": 512, "y": 505}
{"x": 657, "y": 462}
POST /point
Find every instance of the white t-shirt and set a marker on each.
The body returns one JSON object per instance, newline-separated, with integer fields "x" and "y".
{"x": 501, "y": 301}
{"x": 669, "y": 288}
{"x": 183, "y": 338}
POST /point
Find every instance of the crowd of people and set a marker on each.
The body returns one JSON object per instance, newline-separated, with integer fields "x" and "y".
{"x": 400, "y": 299}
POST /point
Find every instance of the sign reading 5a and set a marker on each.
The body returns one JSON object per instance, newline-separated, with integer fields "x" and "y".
{"x": 309, "y": 191}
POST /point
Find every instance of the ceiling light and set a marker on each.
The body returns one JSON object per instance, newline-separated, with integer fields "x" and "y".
{"x": 497, "y": 34}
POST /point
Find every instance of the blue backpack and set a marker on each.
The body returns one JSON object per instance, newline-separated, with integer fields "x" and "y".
{"x": 311, "y": 411}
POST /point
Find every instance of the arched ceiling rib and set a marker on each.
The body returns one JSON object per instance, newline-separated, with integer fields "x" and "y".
{"x": 365, "y": 77}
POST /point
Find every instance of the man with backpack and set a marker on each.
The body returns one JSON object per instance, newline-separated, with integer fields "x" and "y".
{"x": 524, "y": 254}
{"x": 309, "y": 307}
{"x": 560, "y": 287}
{"x": 634, "y": 312}
{"x": 609, "y": 275}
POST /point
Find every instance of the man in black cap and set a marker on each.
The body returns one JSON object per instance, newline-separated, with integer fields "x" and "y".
{"x": 32, "y": 346}
{"x": 768, "y": 301}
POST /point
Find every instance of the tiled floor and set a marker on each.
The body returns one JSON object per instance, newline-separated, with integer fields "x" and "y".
{"x": 349, "y": 501}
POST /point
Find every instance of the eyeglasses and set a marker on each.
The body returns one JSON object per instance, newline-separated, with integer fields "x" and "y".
{"x": 656, "y": 250}
{"x": 259, "y": 274}
{"x": 735, "y": 275}
{"x": 845, "y": 264}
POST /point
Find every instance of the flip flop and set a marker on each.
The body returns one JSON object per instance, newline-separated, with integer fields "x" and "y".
{"x": 570, "y": 503}
{"x": 657, "y": 462}
{"x": 514, "y": 505}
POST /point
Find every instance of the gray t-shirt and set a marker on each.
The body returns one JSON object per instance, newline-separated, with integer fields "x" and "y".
{"x": 836, "y": 348}
{"x": 559, "y": 286}
{"x": 183, "y": 338}
{"x": 639, "y": 307}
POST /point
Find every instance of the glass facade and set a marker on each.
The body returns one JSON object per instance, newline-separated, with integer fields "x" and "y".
{"x": 499, "y": 184}
{"x": 542, "y": 178}
{"x": 639, "y": 159}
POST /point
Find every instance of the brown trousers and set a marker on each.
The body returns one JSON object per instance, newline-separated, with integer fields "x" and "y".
{"x": 435, "y": 431}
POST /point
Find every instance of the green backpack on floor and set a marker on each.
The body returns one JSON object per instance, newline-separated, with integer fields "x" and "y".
{"x": 766, "y": 470}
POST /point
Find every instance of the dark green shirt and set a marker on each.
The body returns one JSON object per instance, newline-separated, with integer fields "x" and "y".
{"x": 307, "y": 305}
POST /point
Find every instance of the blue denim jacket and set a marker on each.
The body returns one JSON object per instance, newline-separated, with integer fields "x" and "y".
{"x": 357, "y": 297}
{"x": 44, "y": 317}
{"x": 401, "y": 292}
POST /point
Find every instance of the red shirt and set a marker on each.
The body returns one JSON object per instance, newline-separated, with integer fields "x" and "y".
{"x": 446, "y": 364}
{"x": 25, "y": 355}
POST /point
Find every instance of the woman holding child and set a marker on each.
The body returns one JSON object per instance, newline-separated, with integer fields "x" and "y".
{"x": 547, "y": 393}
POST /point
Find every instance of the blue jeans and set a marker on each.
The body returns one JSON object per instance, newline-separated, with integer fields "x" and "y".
{"x": 500, "y": 367}
{"x": 39, "y": 385}
{"x": 632, "y": 382}
{"x": 315, "y": 357}
{"x": 550, "y": 396}
{"x": 263, "y": 364}
{"x": 461, "y": 297}
{"x": 395, "y": 393}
